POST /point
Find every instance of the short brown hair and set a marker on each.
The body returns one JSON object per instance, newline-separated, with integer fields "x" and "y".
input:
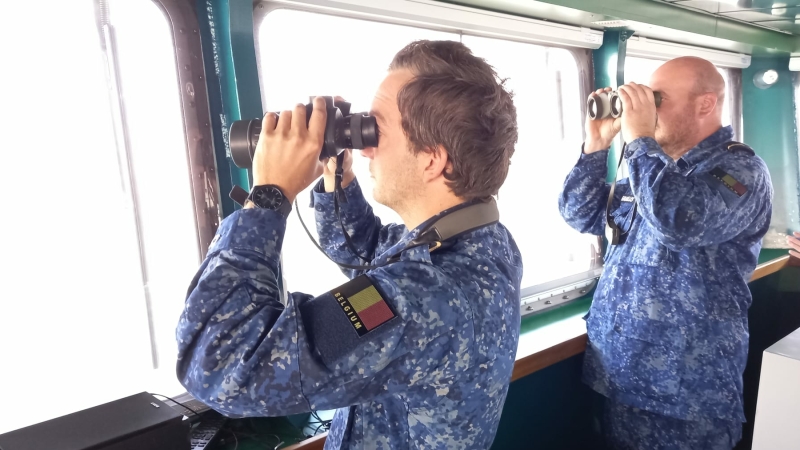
{"x": 456, "y": 100}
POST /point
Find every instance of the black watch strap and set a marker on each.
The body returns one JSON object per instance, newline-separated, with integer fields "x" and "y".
{"x": 270, "y": 196}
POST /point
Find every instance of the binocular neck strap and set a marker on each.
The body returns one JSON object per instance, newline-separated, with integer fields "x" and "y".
{"x": 458, "y": 222}
{"x": 444, "y": 230}
{"x": 452, "y": 225}
{"x": 617, "y": 232}
{"x": 340, "y": 197}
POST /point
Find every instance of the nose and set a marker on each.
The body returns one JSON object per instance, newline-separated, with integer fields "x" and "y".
{"x": 368, "y": 152}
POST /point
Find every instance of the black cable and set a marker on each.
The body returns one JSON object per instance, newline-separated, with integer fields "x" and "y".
{"x": 340, "y": 197}
{"x": 325, "y": 423}
{"x": 338, "y": 191}
{"x": 177, "y": 403}
{"x": 316, "y": 430}
{"x": 236, "y": 447}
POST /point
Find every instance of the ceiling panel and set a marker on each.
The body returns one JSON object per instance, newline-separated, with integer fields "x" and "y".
{"x": 782, "y": 15}
{"x": 756, "y": 15}
{"x": 744, "y": 4}
{"x": 708, "y": 6}
{"x": 783, "y": 25}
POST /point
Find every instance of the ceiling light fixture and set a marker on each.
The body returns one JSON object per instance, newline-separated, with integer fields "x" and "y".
{"x": 778, "y": 9}
{"x": 763, "y": 79}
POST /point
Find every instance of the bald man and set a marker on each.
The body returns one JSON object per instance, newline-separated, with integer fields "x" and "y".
{"x": 667, "y": 328}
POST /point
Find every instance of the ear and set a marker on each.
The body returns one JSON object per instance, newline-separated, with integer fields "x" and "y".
{"x": 707, "y": 104}
{"x": 436, "y": 163}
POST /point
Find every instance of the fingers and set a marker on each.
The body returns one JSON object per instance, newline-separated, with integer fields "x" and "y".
{"x": 299, "y": 119}
{"x": 319, "y": 116}
{"x": 629, "y": 96}
{"x": 636, "y": 95}
{"x": 636, "y": 92}
{"x": 627, "y": 101}
{"x": 651, "y": 98}
{"x": 269, "y": 123}
{"x": 284, "y": 122}
{"x": 330, "y": 164}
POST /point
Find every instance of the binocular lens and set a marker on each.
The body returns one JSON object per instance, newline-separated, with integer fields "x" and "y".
{"x": 616, "y": 105}
{"x": 358, "y": 131}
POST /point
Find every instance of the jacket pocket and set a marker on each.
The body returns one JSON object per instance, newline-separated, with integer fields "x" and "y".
{"x": 646, "y": 357}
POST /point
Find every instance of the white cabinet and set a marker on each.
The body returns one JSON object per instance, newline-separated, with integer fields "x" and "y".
{"x": 777, "y": 425}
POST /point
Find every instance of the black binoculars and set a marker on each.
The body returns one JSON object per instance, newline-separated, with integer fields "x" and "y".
{"x": 342, "y": 130}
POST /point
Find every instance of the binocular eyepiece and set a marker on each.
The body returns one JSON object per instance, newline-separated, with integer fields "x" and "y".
{"x": 609, "y": 104}
{"x": 342, "y": 130}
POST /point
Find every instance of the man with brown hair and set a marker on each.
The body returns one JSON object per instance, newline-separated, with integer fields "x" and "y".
{"x": 417, "y": 351}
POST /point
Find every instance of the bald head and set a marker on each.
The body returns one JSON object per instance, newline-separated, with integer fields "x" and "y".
{"x": 704, "y": 76}
{"x": 693, "y": 94}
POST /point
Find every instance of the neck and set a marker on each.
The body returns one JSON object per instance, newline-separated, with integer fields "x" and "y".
{"x": 689, "y": 142}
{"x": 423, "y": 211}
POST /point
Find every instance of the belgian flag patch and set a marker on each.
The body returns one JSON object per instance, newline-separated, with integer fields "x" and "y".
{"x": 729, "y": 182}
{"x": 363, "y": 305}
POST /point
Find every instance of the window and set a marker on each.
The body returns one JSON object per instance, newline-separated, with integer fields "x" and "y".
{"x": 75, "y": 321}
{"x": 546, "y": 86}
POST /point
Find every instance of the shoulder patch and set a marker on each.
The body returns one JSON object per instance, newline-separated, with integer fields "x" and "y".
{"x": 362, "y": 304}
{"x": 731, "y": 183}
{"x": 348, "y": 321}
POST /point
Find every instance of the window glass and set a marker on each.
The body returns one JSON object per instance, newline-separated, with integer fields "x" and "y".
{"x": 547, "y": 97}
{"x": 160, "y": 164}
{"x": 545, "y": 83}
{"x": 73, "y": 317}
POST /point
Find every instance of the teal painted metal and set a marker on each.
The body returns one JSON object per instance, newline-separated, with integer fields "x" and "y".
{"x": 549, "y": 409}
{"x": 609, "y": 71}
{"x": 770, "y": 128}
{"x": 583, "y": 12}
{"x": 208, "y": 32}
{"x": 245, "y": 82}
{"x": 234, "y": 92}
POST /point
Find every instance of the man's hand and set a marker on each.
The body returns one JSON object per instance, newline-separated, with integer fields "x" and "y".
{"x": 287, "y": 154}
{"x": 794, "y": 244}
{"x": 638, "y": 112}
{"x": 600, "y": 133}
{"x": 329, "y": 174}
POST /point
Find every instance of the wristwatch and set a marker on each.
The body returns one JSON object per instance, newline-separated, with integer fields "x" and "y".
{"x": 269, "y": 196}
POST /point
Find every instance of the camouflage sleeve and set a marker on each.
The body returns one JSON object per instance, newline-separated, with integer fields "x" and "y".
{"x": 245, "y": 354}
{"x": 583, "y": 198}
{"x": 705, "y": 207}
{"x": 365, "y": 229}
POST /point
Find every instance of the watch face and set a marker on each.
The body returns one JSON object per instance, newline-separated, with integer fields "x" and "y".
{"x": 268, "y": 197}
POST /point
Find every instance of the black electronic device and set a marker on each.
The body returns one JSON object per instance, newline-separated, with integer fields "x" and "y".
{"x": 137, "y": 422}
{"x": 207, "y": 431}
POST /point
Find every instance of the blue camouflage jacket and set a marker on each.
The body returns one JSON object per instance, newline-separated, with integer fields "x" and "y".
{"x": 668, "y": 326}
{"x": 415, "y": 354}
